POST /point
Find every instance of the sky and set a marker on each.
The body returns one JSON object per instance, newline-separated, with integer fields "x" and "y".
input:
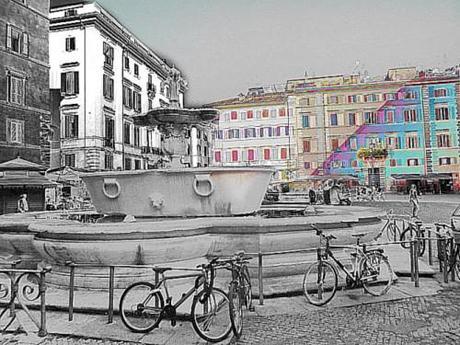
{"x": 223, "y": 47}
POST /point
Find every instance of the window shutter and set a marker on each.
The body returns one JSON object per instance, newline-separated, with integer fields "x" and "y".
{"x": 25, "y": 43}
{"x": 20, "y": 90}
{"x": 75, "y": 80}
{"x": 67, "y": 44}
{"x": 8, "y": 36}
{"x": 104, "y": 85}
{"x": 63, "y": 79}
{"x": 72, "y": 43}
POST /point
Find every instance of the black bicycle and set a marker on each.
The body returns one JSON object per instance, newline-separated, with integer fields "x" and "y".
{"x": 142, "y": 305}
{"x": 414, "y": 230}
{"x": 448, "y": 253}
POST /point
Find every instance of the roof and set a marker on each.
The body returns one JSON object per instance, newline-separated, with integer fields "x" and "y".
{"x": 21, "y": 164}
{"x": 62, "y": 3}
{"x": 279, "y": 97}
{"x": 25, "y": 181}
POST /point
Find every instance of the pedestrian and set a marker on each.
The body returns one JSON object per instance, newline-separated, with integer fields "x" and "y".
{"x": 413, "y": 200}
{"x": 23, "y": 206}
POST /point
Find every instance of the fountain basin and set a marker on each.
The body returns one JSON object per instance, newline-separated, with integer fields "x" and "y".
{"x": 179, "y": 192}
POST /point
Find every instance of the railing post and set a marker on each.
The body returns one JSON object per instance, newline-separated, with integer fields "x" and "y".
{"x": 439, "y": 248}
{"x": 452, "y": 259}
{"x": 445, "y": 259}
{"x": 430, "y": 248}
{"x": 261, "y": 281}
{"x": 111, "y": 287}
{"x": 71, "y": 289}
{"x": 411, "y": 247}
{"x": 416, "y": 271}
{"x": 14, "y": 290}
{"x": 42, "y": 332}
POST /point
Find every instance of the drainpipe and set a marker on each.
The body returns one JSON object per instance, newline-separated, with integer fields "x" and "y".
{"x": 122, "y": 107}
{"x": 84, "y": 92}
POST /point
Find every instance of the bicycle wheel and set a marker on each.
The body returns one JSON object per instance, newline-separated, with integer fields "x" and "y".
{"x": 247, "y": 289}
{"x": 211, "y": 315}
{"x": 236, "y": 308}
{"x": 320, "y": 283}
{"x": 393, "y": 232}
{"x": 455, "y": 264}
{"x": 140, "y": 307}
{"x": 376, "y": 273}
{"x": 407, "y": 236}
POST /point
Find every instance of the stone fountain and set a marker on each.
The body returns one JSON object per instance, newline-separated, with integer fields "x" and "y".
{"x": 181, "y": 215}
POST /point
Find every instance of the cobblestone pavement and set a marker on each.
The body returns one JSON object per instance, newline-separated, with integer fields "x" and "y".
{"x": 418, "y": 320}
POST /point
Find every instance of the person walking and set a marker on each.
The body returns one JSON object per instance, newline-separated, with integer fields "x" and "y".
{"x": 23, "y": 205}
{"x": 414, "y": 201}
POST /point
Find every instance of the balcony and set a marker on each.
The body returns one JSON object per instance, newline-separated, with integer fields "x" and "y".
{"x": 150, "y": 150}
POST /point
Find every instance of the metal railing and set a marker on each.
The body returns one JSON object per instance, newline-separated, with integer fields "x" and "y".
{"x": 22, "y": 286}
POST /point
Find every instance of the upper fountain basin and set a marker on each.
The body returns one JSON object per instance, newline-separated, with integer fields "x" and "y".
{"x": 169, "y": 115}
{"x": 213, "y": 191}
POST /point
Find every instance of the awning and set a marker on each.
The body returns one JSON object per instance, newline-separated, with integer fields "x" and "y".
{"x": 21, "y": 165}
{"x": 25, "y": 181}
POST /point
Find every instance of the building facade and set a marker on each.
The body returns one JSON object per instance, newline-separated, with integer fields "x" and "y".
{"x": 106, "y": 77}
{"x": 24, "y": 80}
{"x": 255, "y": 129}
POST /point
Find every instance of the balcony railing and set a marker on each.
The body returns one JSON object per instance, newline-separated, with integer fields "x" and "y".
{"x": 150, "y": 150}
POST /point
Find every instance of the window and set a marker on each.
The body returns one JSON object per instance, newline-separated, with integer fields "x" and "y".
{"x": 108, "y": 55}
{"x": 136, "y": 69}
{"x": 440, "y": 93}
{"x": 410, "y": 115}
{"x": 250, "y": 114}
{"x": 137, "y": 102}
{"x": 305, "y": 120}
{"x": 69, "y": 83}
{"x": 16, "y": 88}
{"x": 306, "y": 146}
{"x": 412, "y": 141}
{"x": 389, "y": 96}
{"x": 270, "y": 131}
{"x": 137, "y": 136}
{"x": 442, "y": 113}
{"x": 333, "y": 100}
{"x": 410, "y": 95}
{"x": 283, "y": 153}
{"x": 71, "y": 12}
{"x": 127, "y": 163}
{"x": 16, "y": 40}
{"x": 352, "y": 98}
{"x": 351, "y": 119}
{"x": 447, "y": 160}
{"x": 443, "y": 140}
{"x": 251, "y": 155}
{"x": 15, "y": 131}
{"x": 273, "y": 113}
{"x": 412, "y": 162}
{"x": 70, "y": 44}
{"x": 334, "y": 121}
{"x": 334, "y": 144}
{"x": 70, "y": 129}
{"x": 286, "y": 130}
{"x": 107, "y": 87}
{"x": 108, "y": 161}
{"x": 306, "y": 165}
{"x": 69, "y": 160}
{"x": 370, "y": 117}
{"x": 354, "y": 163}
{"x": 127, "y": 133}
{"x": 127, "y": 97}
{"x": 371, "y": 98}
{"x": 393, "y": 162}
{"x": 150, "y": 86}
{"x": 137, "y": 164}
{"x": 261, "y": 132}
{"x": 353, "y": 143}
{"x": 281, "y": 112}
{"x": 392, "y": 142}
{"x": 265, "y": 113}
{"x": 303, "y": 102}
{"x": 109, "y": 132}
{"x": 389, "y": 116}
{"x": 267, "y": 154}
{"x": 234, "y": 156}
{"x": 218, "y": 156}
{"x": 258, "y": 114}
{"x": 150, "y": 104}
{"x": 242, "y": 115}
{"x": 233, "y": 115}
{"x": 126, "y": 63}
{"x": 249, "y": 132}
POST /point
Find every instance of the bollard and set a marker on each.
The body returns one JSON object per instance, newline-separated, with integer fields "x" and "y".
{"x": 416, "y": 269}
{"x": 111, "y": 287}
{"x": 430, "y": 248}
{"x": 261, "y": 283}
{"x": 411, "y": 247}
{"x": 71, "y": 290}
{"x": 445, "y": 268}
{"x": 42, "y": 290}
{"x": 452, "y": 259}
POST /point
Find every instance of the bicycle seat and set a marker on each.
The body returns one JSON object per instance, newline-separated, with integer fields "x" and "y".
{"x": 359, "y": 234}
{"x": 161, "y": 269}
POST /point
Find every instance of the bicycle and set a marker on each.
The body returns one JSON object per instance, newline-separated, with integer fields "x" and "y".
{"x": 453, "y": 258}
{"x": 392, "y": 230}
{"x": 142, "y": 305}
{"x": 414, "y": 230}
{"x": 371, "y": 269}
{"x": 239, "y": 292}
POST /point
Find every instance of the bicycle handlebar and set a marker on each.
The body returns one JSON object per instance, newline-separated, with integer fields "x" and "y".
{"x": 443, "y": 225}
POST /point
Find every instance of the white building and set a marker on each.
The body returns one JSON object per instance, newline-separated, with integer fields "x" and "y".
{"x": 106, "y": 76}
{"x": 255, "y": 130}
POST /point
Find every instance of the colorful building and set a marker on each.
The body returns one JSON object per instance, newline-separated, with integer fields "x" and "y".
{"x": 255, "y": 129}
